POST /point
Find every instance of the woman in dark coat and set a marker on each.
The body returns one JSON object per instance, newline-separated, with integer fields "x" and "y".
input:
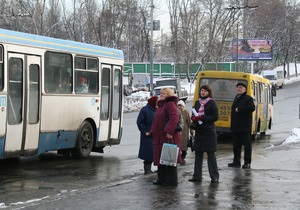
{"x": 166, "y": 108}
{"x": 144, "y": 122}
{"x": 205, "y": 136}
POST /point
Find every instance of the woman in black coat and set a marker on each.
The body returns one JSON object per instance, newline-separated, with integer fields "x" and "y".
{"x": 144, "y": 122}
{"x": 205, "y": 135}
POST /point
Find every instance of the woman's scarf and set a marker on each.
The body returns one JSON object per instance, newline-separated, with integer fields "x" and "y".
{"x": 202, "y": 103}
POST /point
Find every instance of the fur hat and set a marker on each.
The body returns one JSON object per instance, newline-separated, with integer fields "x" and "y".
{"x": 181, "y": 102}
{"x": 152, "y": 101}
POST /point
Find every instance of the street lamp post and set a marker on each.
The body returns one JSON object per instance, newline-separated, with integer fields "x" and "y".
{"x": 235, "y": 7}
{"x": 237, "y": 45}
{"x": 151, "y": 50}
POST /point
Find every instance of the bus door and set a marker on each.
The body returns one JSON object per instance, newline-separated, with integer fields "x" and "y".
{"x": 111, "y": 102}
{"x": 105, "y": 104}
{"x": 22, "y": 105}
{"x": 265, "y": 116}
{"x": 117, "y": 106}
{"x": 256, "y": 98}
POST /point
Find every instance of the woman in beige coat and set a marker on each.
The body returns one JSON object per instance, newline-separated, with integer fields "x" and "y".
{"x": 185, "y": 133}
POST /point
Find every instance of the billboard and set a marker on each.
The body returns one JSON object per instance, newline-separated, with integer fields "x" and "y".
{"x": 253, "y": 49}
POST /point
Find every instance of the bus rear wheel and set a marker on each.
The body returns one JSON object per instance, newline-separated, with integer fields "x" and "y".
{"x": 85, "y": 140}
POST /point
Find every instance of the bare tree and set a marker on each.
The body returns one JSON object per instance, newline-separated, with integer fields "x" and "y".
{"x": 186, "y": 19}
{"x": 201, "y": 30}
{"x": 275, "y": 19}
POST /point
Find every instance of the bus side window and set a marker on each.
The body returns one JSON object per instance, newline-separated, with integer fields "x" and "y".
{"x": 86, "y": 75}
{"x": 56, "y": 67}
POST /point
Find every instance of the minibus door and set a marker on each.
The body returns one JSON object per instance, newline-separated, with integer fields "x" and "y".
{"x": 22, "y": 104}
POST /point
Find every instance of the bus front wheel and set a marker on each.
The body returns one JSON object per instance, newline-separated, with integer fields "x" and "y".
{"x": 84, "y": 143}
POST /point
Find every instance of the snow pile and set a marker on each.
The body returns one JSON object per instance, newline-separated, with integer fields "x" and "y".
{"x": 295, "y": 136}
{"x": 136, "y": 101}
{"x": 2, "y": 205}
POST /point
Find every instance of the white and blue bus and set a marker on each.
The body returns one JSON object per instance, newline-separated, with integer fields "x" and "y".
{"x": 58, "y": 95}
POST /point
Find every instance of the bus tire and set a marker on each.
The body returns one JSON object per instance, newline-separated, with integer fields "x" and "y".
{"x": 85, "y": 141}
{"x": 262, "y": 134}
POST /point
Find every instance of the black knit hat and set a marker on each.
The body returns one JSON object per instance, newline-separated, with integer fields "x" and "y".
{"x": 241, "y": 84}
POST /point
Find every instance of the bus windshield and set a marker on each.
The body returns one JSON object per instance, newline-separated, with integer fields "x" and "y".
{"x": 223, "y": 89}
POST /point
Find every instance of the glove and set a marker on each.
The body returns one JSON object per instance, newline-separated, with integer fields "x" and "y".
{"x": 196, "y": 118}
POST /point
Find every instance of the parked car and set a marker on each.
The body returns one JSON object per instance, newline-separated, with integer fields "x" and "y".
{"x": 141, "y": 87}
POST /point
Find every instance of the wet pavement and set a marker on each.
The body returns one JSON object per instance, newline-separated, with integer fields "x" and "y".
{"x": 272, "y": 183}
{"x": 115, "y": 179}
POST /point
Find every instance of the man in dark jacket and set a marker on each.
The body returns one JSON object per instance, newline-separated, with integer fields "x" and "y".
{"x": 241, "y": 124}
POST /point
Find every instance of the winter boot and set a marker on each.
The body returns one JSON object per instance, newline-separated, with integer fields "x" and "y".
{"x": 147, "y": 168}
{"x": 183, "y": 155}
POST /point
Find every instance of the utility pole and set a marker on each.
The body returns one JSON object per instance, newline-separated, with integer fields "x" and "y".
{"x": 237, "y": 45}
{"x": 151, "y": 50}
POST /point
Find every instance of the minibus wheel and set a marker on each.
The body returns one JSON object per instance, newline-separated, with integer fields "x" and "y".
{"x": 84, "y": 143}
{"x": 262, "y": 134}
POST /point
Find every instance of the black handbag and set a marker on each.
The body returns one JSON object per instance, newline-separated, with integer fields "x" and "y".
{"x": 193, "y": 125}
{"x": 191, "y": 143}
{"x": 177, "y": 129}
